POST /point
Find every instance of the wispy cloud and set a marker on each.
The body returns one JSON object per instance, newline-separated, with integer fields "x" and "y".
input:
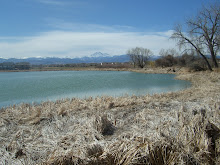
{"x": 52, "y": 2}
{"x": 81, "y": 27}
{"x": 65, "y": 3}
{"x": 78, "y": 44}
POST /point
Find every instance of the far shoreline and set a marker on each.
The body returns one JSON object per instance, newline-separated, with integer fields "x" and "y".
{"x": 156, "y": 70}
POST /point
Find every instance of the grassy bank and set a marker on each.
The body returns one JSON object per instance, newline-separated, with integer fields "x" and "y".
{"x": 145, "y": 70}
{"x": 171, "y": 128}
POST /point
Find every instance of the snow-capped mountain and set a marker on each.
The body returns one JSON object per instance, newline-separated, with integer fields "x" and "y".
{"x": 99, "y": 54}
{"x": 97, "y": 57}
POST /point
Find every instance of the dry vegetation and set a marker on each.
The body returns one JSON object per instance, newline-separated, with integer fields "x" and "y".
{"x": 171, "y": 128}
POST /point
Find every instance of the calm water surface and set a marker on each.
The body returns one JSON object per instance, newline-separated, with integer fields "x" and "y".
{"x": 29, "y": 87}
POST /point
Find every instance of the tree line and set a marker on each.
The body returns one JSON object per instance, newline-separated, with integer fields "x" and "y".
{"x": 201, "y": 35}
{"x": 15, "y": 66}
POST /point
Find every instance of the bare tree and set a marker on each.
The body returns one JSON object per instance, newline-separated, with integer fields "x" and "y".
{"x": 203, "y": 33}
{"x": 139, "y": 56}
{"x": 166, "y": 52}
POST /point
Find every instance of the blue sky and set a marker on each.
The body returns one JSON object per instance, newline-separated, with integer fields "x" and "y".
{"x": 76, "y": 28}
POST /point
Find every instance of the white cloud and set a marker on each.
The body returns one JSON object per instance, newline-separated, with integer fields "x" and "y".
{"x": 78, "y": 44}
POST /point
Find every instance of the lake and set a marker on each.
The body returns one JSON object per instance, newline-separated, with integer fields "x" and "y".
{"x": 29, "y": 87}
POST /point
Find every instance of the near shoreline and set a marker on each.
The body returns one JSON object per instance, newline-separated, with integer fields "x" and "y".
{"x": 176, "y": 127}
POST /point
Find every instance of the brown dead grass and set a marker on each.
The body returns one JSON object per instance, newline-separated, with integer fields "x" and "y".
{"x": 171, "y": 128}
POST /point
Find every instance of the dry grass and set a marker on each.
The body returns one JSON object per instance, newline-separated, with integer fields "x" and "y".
{"x": 172, "y": 128}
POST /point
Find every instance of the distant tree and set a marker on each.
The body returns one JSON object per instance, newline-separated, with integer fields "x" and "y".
{"x": 22, "y": 66}
{"x": 7, "y": 66}
{"x": 139, "y": 56}
{"x": 203, "y": 33}
{"x": 166, "y": 52}
{"x": 167, "y": 58}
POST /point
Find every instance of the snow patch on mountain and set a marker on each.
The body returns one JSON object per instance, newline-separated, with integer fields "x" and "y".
{"x": 99, "y": 54}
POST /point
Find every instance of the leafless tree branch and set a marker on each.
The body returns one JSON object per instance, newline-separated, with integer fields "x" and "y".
{"x": 203, "y": 33}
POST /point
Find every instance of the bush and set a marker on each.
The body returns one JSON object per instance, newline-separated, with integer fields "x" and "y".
{"x": 186, "y": 59}
{"x": 166, "y": 61}
{"x": 196, "y": 67}
{"x": 194, "y": 63}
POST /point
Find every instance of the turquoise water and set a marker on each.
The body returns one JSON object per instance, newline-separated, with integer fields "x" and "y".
{"x": 34, "y": 87}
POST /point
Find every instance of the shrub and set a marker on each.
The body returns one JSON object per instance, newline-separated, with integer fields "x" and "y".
{"x": 194, "y": 63}
{"x": 166, "y": 61}
{"x": 186, "y": 59}
{"x": 196, "y": 67}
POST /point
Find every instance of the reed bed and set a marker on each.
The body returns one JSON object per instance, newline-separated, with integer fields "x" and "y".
{"x": 171, "y": 128}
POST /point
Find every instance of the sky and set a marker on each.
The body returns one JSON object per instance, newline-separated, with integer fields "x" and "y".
{"x": 77, "y": 28}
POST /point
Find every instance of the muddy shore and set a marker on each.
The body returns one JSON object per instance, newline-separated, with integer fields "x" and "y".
{"x": 177, "y": 127}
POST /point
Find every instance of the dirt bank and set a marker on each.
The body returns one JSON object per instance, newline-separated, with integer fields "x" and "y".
{"x": 181, "y": 127}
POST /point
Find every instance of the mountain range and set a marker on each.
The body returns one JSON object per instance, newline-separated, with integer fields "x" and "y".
{"x": 97, "y": 57}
